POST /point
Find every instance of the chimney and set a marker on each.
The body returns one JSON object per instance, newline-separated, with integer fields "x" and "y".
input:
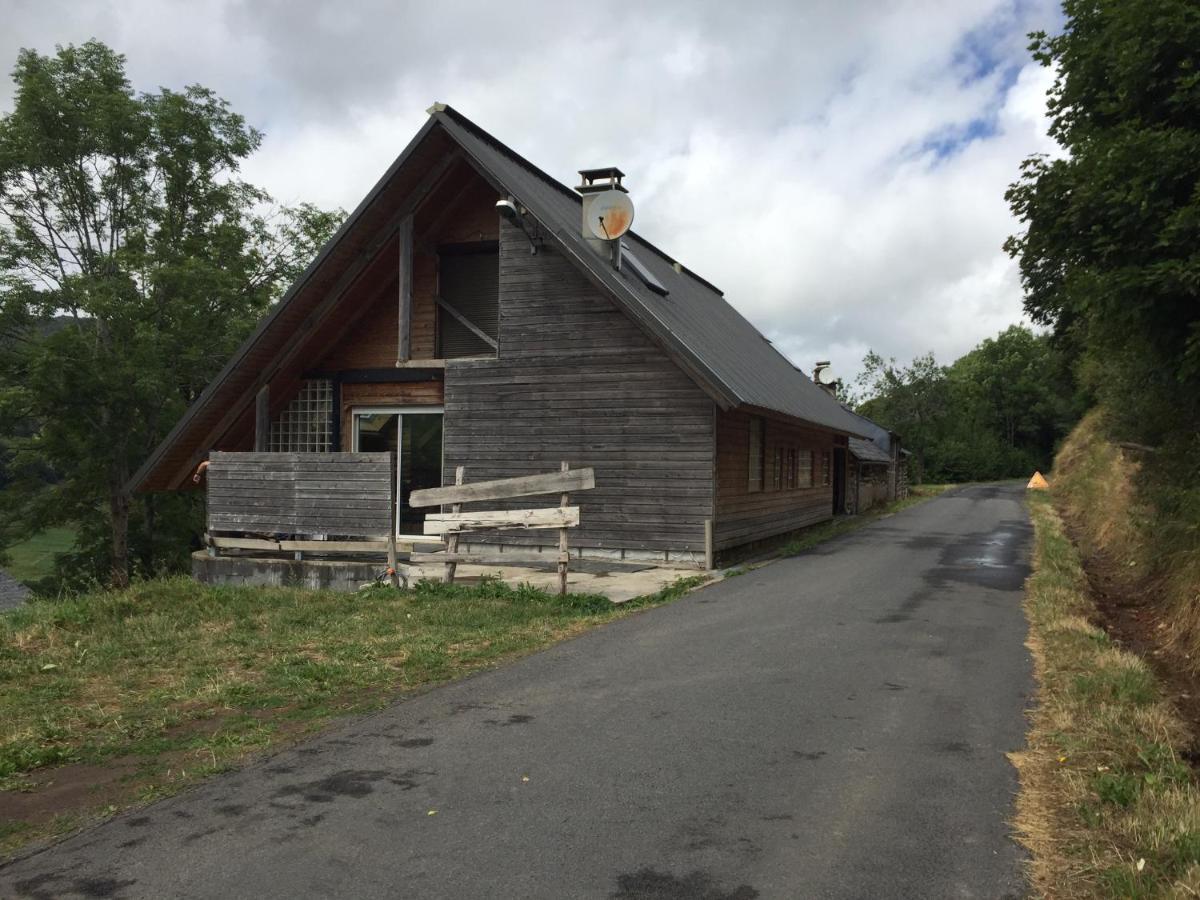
{"x": 594, "y": 182}
{"x": 823, "y": 381}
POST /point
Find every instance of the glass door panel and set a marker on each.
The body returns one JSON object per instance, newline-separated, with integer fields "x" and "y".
{"x": 415, "y": 436}
{"x": 376, "y": 432}
{"x": 420, "y": 464}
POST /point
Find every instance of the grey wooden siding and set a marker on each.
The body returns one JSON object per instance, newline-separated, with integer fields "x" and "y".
{"x": 345, "y": 494}
{"x": 575, "y": 380}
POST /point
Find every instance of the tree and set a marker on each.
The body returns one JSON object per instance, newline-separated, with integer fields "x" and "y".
{"x": 911, "y": 400}
{"x": 1109, "y": 252}
{"x": 997, "y": 412}
{"x": 134, "y": 261}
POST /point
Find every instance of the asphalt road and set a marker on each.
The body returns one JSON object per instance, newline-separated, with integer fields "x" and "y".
{"x": 833, "y": 725}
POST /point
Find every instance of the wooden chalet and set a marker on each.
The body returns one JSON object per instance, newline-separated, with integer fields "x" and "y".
{"x": 462, "y": 316}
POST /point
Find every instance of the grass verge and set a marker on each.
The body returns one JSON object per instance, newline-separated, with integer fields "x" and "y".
{"x": 33, "y": 560}
{"x": 113, "y": 698}
{"x": 1108, "y": 807}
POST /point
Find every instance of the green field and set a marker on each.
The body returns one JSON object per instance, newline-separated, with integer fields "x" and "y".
{"x": 33, "y": 559}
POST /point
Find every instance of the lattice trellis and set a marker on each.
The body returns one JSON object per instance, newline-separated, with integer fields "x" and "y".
{"x": 306, "y": 424}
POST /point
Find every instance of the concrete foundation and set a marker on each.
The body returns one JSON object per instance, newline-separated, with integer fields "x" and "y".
{"x": 616, "y": 581}
{"x": 678, "y": 559}
{"x": 313, "y": 574}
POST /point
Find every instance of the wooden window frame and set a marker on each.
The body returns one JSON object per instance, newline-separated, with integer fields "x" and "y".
{"x": 826, "y": 468}
{"x": 756, "y": 455}
{"x": 808, "y": 482}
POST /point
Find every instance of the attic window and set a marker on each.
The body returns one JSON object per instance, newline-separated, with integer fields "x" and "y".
{"x": 640, "y": 270}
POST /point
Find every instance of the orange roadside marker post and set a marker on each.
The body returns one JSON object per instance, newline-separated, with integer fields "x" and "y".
{"x": 1038, "y": 483}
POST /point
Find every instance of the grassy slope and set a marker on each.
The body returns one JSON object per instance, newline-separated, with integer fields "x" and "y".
{"x": 1107, "y": 806}
{"x": 173, "y": 680}
{"x": 33, "y": 559}
{"x": 1094, "y": 488}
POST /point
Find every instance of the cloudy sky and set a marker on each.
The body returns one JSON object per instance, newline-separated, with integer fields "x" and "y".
{"x": 837, "y": 167}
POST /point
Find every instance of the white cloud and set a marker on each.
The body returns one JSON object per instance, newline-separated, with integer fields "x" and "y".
{"x": 838, "y": 168}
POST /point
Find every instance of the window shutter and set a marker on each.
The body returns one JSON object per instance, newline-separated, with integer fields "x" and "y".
{"x": 470, "y": 282}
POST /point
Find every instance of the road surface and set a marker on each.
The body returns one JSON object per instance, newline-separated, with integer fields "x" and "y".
{"x": 832, "y": 725}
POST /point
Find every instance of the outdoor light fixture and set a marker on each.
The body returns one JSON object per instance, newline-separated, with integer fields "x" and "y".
{"x": 508, "y": 208}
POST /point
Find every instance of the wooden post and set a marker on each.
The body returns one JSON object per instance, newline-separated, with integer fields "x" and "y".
{"x": 562, "y": 543}
{"x": 404, "y": 338}
{"x": 452, "y": 538}
{"x": 393, "y": 522}
{"x": 262, "y": 420}
{"x": 708, "y": 545}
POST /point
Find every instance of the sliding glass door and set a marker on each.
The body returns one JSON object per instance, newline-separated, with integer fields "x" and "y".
{"x": 414, "y": 434}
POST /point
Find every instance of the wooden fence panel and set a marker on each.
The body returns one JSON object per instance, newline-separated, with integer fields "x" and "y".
{"x": 301, "y": 493}
{"x": 450, "y": 525}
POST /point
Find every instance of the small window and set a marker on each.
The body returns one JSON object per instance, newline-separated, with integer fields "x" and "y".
{"x": 826, "y": 468}
{"x": 758, "y": 445}
{"x": 790, "y": 469}
{"x": 777, "y": 469}
{"x": 806, "y": 469}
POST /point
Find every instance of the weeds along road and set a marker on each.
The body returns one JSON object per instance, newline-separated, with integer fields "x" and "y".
{"x": 833, "y": 725}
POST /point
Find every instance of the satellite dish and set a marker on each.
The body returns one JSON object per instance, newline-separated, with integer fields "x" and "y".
{"x": 826, "y": 376}
{"x": 610, "y": 214}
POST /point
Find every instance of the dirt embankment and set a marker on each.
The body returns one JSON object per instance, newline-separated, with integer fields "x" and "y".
{"x": 1147, "y": 594}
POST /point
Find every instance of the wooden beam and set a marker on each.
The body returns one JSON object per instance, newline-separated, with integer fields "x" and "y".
{"x": 563, "y": 554}
{"x": 529, "y": 560}
{"x": 404, "y": 338}
{"x": 380, "y": 546}
{"x": 452, "y": 544}
{"x": 550, "y": 517}
{"x": 503, "y": 488}
{"x": 262, "y": 419}
{"x": 232, "y": 543}
{"x": 467, "y": 323}
{"x": 393, "y": 519}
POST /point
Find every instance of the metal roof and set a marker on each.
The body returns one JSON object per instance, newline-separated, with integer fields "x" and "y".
{"x": 868, "y": 451}
{"x": 721, "y": 348}
{"x": 874, "y": 432}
